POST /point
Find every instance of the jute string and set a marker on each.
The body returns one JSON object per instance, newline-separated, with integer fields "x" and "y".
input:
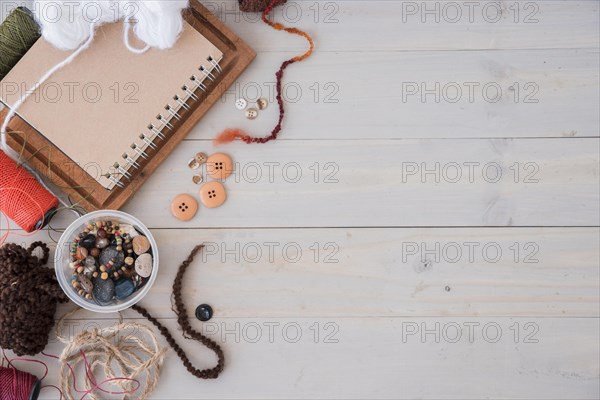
{"x": 127, "y": 349}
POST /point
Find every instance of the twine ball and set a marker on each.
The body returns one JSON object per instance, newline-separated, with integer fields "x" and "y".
{"x": 29, "y": 294}
{"x": 17, "y": 34}
{"x": 257, "y": 5}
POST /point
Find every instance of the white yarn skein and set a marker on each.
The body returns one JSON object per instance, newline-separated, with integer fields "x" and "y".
{"x": 71, "y": 25}
{"x": 158, "y": 23}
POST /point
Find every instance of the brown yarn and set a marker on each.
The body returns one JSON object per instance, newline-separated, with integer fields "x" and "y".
{"x": 266, "y": 6}
{"x": 184, "y": 323}
{"x": 257, "y": 5}
{"x": 28, "y": 297}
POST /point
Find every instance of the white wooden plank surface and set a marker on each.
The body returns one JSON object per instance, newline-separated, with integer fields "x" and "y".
{"x": 371, "y": 183}
{"x": 357, "y": 358}
{"x": 484, "y": 94}
{"x": 379, "y": 218}
{"x": 365, "y": 26}
{"x": 383, "y": 272}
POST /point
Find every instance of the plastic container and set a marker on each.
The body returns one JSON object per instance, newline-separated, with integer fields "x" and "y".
{"x": 62, "y": 259}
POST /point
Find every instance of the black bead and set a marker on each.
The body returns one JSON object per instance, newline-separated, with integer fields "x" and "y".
{"x": 88, "y": 241}
{"x": 204, "y": 312}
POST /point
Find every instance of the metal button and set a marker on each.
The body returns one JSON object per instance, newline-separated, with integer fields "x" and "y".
{"x": 201, "y": 157}
{"x": 197, "y": 179}
{"x": 241, "y": 104}
{"x": 251, "y": 113}
{"x": 193, "y": 163}
{"x": 262, "y": 103}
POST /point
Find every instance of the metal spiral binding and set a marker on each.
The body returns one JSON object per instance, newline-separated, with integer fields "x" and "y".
{"x": 164, "y": 122}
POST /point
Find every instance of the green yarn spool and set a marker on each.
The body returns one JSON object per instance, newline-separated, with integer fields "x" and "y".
{"x": 18, "y": 33}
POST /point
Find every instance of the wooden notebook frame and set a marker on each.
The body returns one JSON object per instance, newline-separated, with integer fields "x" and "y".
{"x": 84, "y": 190}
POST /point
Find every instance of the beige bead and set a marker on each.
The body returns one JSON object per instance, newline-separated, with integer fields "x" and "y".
{"x": 143, "y": 265}
{"x": 141, "y": 244}
{"x": 104, "y": 276}
{"x": 129, "y": 261}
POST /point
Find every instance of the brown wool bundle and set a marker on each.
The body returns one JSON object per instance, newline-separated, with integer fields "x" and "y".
{"x": 28, "y": 297}
{"x": 257, "y": 5}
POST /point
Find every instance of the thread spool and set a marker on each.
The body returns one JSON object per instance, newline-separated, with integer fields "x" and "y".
{"x": 17, "y": 34}
{"x": 22, "y": 198}
{"x": 18, "y": 385}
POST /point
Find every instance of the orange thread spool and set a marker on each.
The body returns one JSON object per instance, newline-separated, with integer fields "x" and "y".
{"x": 22, "y": 198}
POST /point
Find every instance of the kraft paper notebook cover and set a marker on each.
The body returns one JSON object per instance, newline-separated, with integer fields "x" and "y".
{"x": 111, "y": 106}
{"x": 95, "y": 108}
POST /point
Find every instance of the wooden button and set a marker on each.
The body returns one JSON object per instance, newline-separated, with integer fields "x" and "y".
{"x": 184, "y": 207}
{"x": 219, "y": 166}
{"x": 212, "y": 194}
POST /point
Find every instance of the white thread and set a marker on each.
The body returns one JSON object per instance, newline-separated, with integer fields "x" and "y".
{"x": 126, "y": 39}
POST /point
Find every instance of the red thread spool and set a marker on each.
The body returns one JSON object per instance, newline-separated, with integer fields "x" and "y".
{"x": 22, "y": 198}
{"x": 18, "y": 385}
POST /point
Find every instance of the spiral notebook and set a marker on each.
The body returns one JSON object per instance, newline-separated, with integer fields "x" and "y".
{"x": 110, "y": 108}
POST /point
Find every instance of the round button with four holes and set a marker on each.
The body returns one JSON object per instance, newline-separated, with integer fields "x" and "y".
{"x": 184, "y": 207}
{"x": 219, "y": 166}
{"x": 241, "y": 104}
{"x": 212, "y": 194}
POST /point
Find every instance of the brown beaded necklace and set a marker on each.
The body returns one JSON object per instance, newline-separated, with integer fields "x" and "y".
{"x": 184, "y": 323}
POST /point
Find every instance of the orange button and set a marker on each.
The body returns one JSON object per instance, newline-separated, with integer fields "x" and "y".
{"x": 219, "y": 166}
{"x": 184, "y": 207}
{"x": 212, "y": 194}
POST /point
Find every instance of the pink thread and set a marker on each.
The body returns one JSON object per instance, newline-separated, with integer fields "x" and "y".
{"x": 15, "y": 384}
{"x": 18, "y": 385}
{"x": 92, "y": 379}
